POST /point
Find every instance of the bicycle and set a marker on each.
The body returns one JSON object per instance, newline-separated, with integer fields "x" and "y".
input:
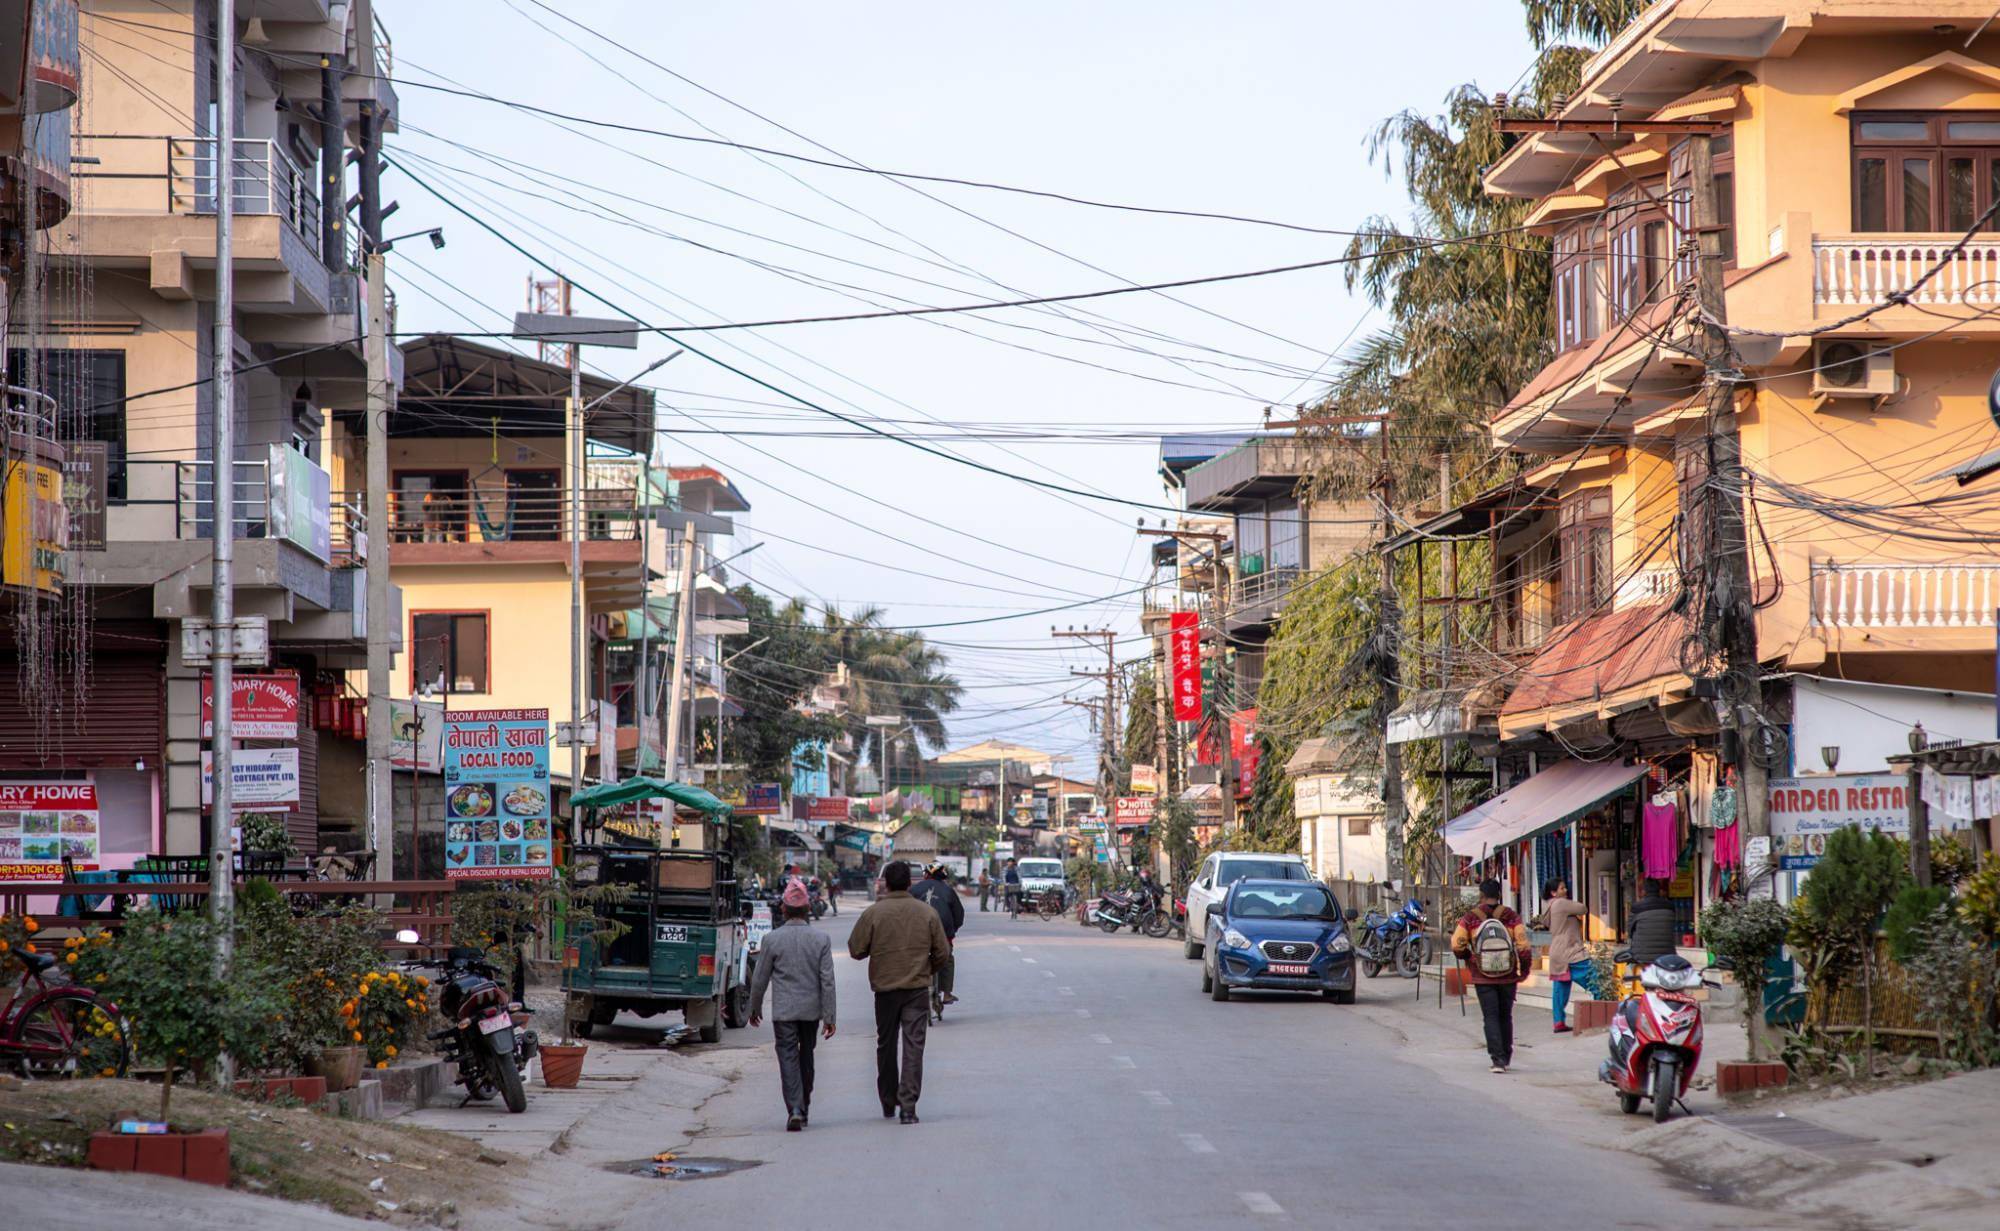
{"x": 61, "y": 1030}
{"x": 1049, "y": 905}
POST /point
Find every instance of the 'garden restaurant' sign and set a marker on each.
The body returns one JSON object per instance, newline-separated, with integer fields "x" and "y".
{"x": 1805, "y": 810}
{"x": 496, "y": 794}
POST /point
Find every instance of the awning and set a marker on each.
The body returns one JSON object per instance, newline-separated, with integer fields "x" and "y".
{"x": 633, "y": 790}
{"x": 1553, "y": 797}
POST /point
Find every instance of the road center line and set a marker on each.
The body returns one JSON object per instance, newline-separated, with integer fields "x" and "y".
{"x": 1015, "y": 948}
{"x": 1196, "y": 1143}
{"x": 1101, "y": 1038}
{"x": 1261, "y": 1203}
{"x": 1083, "y": 1012}
{"x": 1123, "y": 1062}
{"x": 1048, "y": 974}
{"x": 1030, "y": 961}
{"x": 1067, "y": 991}
{"x": 1156, "y": 1098}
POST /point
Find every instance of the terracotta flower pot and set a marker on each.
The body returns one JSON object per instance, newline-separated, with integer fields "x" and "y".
{"x": 562, "y": 1064}
{"x": 341, "y": 1066}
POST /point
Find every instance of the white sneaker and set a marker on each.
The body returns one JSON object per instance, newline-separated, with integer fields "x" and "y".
{"x": 1499, "y": 1068}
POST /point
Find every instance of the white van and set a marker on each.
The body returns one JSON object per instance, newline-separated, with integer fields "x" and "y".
{"x": 1038, "y": 874}
{"x": 1223, "y": 869}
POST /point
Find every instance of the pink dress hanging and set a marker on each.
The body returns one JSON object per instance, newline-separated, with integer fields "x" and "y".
{"x": 1658, "y": 841}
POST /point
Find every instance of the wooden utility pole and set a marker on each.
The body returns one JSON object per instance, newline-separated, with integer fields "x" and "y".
{"x": 1225, "y": 770}
{"x": 1107, "y": 757}
{"x": 1735, "y": 615}
{"x": 1389, "y": 635}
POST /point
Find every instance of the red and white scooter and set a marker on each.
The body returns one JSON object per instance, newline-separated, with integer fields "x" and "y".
{"x": 1656, "y": 1037}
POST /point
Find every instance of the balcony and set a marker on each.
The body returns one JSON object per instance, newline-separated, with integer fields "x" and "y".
{"x": 1259, "y": 597}
{"x": 1867, "y": 597}
{"x": 274, "y": 500}
{"x": 152, "y": 200}
{"x": 1861, "y": 270}
{"x": 1257, "y": 470}
{"x": 1657, "y": 583}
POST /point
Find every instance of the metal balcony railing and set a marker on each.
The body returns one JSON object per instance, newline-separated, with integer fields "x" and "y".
{"x": 263, "y": 179}
{"x": 194, "y": 508}
{"x": 1867, "y": 269}
{"x": 1904, "y": 595}
{"x": 1264, "y": 586}
{"x": 494, "y": 515}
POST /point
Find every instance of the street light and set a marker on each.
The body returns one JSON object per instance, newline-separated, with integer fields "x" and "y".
{"x": 436, "y": 234}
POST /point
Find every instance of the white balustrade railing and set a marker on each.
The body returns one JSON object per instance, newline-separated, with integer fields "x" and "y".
{"x": 1867, "y": 269}
{"x": 1904, "y": 595}
{"x": 1654, "y": 584}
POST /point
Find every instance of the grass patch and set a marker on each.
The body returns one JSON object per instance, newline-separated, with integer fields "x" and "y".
{"x": 277, "y": 1149}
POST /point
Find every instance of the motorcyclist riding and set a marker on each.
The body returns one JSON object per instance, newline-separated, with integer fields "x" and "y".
{"x": 936, "y": 889}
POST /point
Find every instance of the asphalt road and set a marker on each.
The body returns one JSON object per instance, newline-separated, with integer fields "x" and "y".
{"x": 1084, "y": 1080}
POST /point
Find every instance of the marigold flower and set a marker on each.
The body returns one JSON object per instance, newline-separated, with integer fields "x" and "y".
{"x": 357, "y": 1036}
{"x": 381, "y": 1064}
{"x": 28, "y": 922}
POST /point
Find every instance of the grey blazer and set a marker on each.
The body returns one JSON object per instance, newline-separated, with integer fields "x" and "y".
{"x": 796, "y": 963}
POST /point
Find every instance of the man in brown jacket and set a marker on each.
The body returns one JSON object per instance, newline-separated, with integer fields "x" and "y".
{"x": 904, "y": 942}
{"x": 1496, "y": 960}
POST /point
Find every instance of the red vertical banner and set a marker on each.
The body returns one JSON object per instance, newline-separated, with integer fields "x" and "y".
{"x": 1243, "y": 743}
{"x": 1185, "y": 646}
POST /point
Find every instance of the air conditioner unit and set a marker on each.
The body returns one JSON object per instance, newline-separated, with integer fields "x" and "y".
{"x": 1853, "y": 368}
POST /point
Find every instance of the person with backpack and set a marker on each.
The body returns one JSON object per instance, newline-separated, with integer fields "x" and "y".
{"x": 1493, "y": 944}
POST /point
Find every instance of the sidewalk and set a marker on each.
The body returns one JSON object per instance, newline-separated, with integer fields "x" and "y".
{"x": 1916, "y": 1156}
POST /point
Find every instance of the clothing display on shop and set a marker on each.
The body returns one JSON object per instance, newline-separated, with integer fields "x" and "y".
{"x": 1722, "y": 807}
{"x": 1728, "y": 845}
{"x": 1659, "y": 840}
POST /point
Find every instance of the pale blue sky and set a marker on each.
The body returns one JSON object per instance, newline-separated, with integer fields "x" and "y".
{"x": 1257, "y": 109}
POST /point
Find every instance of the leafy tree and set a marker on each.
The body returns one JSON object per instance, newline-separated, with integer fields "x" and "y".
{"x": 769, "y": 681}
{"x": 1142, "y": 726}
{"x": 1746, "y": 933}
{"x": 1853, "y": 883}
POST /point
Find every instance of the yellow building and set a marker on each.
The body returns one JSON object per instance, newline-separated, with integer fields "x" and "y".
{"x": 1856, "y": 156}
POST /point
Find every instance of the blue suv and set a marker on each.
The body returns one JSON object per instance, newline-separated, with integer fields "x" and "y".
{"x": 1281, "y": 936}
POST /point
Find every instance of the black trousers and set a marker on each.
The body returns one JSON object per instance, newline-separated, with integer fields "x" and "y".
{"x": 1496, "y": 1011}
{"x": 902, "y": 1015}
{"x": 795, "y": 1042}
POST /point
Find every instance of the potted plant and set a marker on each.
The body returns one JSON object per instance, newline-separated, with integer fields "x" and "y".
{"x": 318, "y": 961}
{"x": 585, "y": 907}
{"x": 1745, "y": 933}
{"x": 182, "y": 1010}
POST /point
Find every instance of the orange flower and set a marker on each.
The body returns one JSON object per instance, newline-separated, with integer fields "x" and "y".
{"x": 357, "y": 1036}
{"x": 391, "y": 1049}
{"x": 381, "y": 1064}
{"x": 4, "y": 946}
{"x": 28, "y": 922}
{"x": 71, "y": 959}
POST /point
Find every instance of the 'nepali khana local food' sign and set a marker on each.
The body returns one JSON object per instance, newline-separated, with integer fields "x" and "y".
{"x": 40, "y": 822}
{"x": 496, "y": 795}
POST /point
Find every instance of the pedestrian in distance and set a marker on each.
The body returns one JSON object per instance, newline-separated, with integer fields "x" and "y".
{"x": 1569, "y": 959}
{"x": 903, "y": 941}
{"x": 1011, "y": 879}
{"x": 833, "y": 890}
{"x": 985, "y": 889}
{"x": 1655, "y": 927}
{"x": 795, "y": 963}
{"x": 935, "y": 890}
{"x": 1492, "y": 943}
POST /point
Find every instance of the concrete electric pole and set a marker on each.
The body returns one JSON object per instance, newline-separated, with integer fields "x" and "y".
{"x": 222, "y": 463}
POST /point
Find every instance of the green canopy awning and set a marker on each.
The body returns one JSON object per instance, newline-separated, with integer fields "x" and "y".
{"x": 633, "y": 790}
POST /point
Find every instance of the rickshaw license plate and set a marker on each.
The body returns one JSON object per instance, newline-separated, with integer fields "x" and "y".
{"x": 1290, "y": 968}
{"x": 671, "y": 934}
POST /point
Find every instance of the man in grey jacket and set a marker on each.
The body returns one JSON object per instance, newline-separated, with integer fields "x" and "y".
{"x": 796, "y": 963}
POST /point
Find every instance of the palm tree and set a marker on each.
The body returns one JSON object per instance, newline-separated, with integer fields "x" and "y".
{"x": 895, "y": 674}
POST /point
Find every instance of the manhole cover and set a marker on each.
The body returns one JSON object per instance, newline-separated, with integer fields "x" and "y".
{"x": 685, "y": 1168}
{"x": 1800, "y": 1134}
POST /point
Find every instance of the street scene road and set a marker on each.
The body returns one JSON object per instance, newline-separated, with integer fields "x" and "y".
{"x": 1084, "y": 1077}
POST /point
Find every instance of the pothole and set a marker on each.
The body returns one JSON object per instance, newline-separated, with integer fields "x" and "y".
{"x": 684, "y": 1168}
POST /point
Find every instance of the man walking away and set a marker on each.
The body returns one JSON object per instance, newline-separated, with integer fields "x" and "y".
{"x": 1491, "y": 942}
{"x": 1569, "y": 958}
{"x": 935, "y": 889}
{"x": 903, "y": 941}
{"x": 985, "y": 889}
{"x": 1012, "y": 882}
{"x": 1654, "y": 927}
{"x": 833, "y": 889}
{"x": 796, "y": 963}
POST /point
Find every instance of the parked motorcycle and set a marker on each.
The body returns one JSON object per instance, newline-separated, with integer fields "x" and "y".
{"x": 1395, "y": 940}
{"x": 1655, "y": 1037}
{"x": 481, "y": 1038}
{"x": 1141, "y": 914}
{"x": 1180, "y": 917}
{"x": 816, "y": 901}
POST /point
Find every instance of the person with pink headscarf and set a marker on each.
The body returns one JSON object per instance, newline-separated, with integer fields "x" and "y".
{"x": 795, "y": 963}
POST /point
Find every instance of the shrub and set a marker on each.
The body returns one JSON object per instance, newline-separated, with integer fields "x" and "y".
{"x": 384, "y": 1011}
{"x": 179, "y": 1008}
{"x": 317, "y": 960}
{"x": 1915, "y": 905}
{"x": 1850, "y": 887}
{"x": 1979, "y": 901}
{"x": 1745, "y": 933}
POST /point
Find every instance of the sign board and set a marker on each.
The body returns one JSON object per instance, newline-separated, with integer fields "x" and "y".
{"x": 764, "y": 799}
{"x": 1132, "y": 810}
{"x": 1247, "y": 750}
{"x": 86, "y": 478}
{"x": 759, "y": 926}
{"x": 260, "y": 706}
{"x": 416, "y": 735}
{"x": 1145, "y": 780}
{"x": 828, "y": 808}
{"x": 1805, "y": 810}
{"x": 607, "y": 742}
{"x": 1185, "y": 652}
{"x": 40, "y": 822}
{"x": 35, "y": 525}
{"x": 258, "y": 778}
{"x": 301, "y": 502}
{"x": 497, "y": 817}
{"x": 552, "y": 327}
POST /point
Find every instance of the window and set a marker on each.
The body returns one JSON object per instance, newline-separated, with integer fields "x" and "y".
{"x": 1234, "y": 870}
{"x": 1691, "y": 480}
{"x": 1287, "y": 549}
{"x": 1358, "y": 826}
{"x": 89, "y": 389}
{"x": 1252, "y": 542}
{"x": 448, "y": 651}
{"x": 1584, "y": 536}
{"x": 430, "y": 506}
{"x": 1921, "y": 171}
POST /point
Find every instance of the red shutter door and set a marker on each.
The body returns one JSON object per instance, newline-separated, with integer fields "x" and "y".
{"x": 116, "y": 719}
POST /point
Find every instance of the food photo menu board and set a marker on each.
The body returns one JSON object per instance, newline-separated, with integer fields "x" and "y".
{"x": 497, "y": 822}
{"x": 41, "y": 822}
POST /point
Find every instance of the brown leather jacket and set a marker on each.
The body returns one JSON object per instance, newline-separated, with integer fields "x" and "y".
{"x": 903, "y": 940}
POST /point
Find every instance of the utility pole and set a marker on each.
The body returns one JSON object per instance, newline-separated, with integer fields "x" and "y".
{"x": 381, "y": 403}
{"x": 1734, "y": 611}
{"x": 579, "y": 650}
{"x": 1107, "y": 767}
{"x": 683, "y": 633}
{"x": 1389, "y": 635}
{"x": 1225, "y": 770}
{"x": 222, "y": 463}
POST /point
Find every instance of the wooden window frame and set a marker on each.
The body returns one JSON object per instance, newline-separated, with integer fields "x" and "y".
{"x": 486, "y": 668}
{"x": 1586, "y": 552}
{"x": 1940, "y": 148}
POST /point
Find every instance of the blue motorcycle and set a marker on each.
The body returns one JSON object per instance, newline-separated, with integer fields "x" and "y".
{"x": 1397, "y": 940}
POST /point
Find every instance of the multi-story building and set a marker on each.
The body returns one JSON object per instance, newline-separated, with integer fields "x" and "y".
{"x": 124, "y": 345}
{"x": 1856, "y": 162}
